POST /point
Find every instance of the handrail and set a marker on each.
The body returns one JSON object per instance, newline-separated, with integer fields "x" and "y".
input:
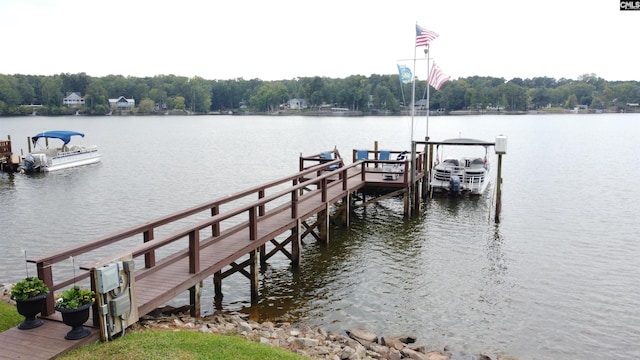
{"x": 120, "y": 235}
{"x": 158, "y": 243}
{"x": 110, "y": 239}
{"x": 44, "y": 263}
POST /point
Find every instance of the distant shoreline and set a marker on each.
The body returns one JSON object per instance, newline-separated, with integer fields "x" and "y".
{"x": 354, "y": 113}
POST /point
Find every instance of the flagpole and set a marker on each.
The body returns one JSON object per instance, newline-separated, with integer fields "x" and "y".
{"x": 413, "y": 91}
{"x": 426, "y": 52}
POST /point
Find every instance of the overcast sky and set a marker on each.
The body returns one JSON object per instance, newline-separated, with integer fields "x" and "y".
{"x": 282, "y": 39}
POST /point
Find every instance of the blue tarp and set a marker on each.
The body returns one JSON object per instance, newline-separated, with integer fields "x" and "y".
{"x": 63, "y": 135}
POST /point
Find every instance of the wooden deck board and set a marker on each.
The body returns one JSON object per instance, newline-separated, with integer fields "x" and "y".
{"x": 44, "y": 342}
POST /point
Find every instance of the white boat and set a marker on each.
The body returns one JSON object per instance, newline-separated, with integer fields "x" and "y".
{"x": 58, "y": 158}
{"x": 462, "y": 175}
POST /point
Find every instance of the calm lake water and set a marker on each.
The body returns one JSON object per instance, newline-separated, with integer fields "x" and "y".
{"x": 557, "y": 278}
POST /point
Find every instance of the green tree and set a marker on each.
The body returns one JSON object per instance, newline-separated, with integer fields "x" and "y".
{"x": 97, "y": 98}
{"x": 9, "y": 91}
{"x": 572, "y": 101}
{"x": 514, "y": 96}
{"x": 269, "y": 96}
{"x": 145, "y": 106}
{"x": 179, "y": 103}
{"x": 51, "y": 91}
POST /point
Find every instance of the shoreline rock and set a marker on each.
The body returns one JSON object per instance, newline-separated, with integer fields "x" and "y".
{"x": 357, "y": 344}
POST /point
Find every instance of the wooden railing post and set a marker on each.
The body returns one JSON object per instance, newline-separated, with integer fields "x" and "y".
{"x": 323, "y": 186}
{"x": 150, "y": 257}
{"x": 215, "y": 228}
{"x": 294, "y": 204}
{"x": 253, "y": 223}
{"x": 45, "y": 274}
{"x": 261, "y": 208}
{"x": 343, "y": 173}
{"x": 194, "y": 251}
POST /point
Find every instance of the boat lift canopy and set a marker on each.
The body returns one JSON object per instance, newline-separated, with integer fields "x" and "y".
{"x": 462, "y": 141}
{"x": 63, "y": 135}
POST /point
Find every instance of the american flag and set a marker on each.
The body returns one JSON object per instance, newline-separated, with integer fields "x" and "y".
{"x": 423, "y": 36}
{"x": 437, "y": 77}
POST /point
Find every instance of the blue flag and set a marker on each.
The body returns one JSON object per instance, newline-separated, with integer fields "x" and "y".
{"x": 405, "y": 74}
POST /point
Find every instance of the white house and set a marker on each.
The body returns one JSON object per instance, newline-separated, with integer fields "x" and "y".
{"x": 73, "y": 99}
{"x": 122, "y": 103}
{"x": 297, "y": 104}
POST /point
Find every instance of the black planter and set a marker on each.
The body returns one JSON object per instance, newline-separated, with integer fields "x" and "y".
{"x": 76, "y": 318}
{"x": 29, "y": 309}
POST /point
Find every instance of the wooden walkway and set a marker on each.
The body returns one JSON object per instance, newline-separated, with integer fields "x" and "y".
{"x": 220, "y": 238}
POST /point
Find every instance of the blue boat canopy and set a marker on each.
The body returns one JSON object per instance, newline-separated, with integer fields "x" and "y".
{"x": 63, "y": 135}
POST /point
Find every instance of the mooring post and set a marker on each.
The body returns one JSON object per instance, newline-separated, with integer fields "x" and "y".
{"x": 426, "y": 168}
{"x": 501, "y": 149}
{"x": 416, "y": 188}
{"x": 499, "y": 189}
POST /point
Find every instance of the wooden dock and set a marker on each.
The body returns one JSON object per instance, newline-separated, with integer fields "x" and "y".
{"x": 233, "y": 234}
{"x": 8, "y": 161}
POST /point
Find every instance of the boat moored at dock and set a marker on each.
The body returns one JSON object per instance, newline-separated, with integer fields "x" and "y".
{"x": 464, "y": 174}
{"x": 57, "y": 158}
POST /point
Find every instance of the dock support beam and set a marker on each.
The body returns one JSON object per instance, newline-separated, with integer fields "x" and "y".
{"x": 347, "y": 210}
{"x": 253, "y": 271}
{"x": 407, "y": 202}
{"x": 217, "y": 286}
{"x": 195, "y": 296}
{"x": 295, "y": 244}
{"x": 323, "y": 224}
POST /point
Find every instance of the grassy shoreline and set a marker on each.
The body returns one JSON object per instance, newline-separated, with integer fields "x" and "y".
{"x": 164, "y": 344}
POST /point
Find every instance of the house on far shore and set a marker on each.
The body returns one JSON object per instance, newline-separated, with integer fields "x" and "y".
{"x": 297, "y": 104}
{"x": 73, "y": 99}
{"x": 122, "y": 104}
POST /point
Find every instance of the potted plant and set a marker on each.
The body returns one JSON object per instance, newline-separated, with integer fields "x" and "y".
{"x": 74, "y": 305}
{"x": 29, "y": 295}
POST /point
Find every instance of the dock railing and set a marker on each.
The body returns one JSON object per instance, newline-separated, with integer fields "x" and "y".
{"x": 202, "y": 232}
{"x": 372, "y": 164}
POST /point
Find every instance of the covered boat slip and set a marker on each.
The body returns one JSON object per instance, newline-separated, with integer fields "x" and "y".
{"x": 459, "y": 174}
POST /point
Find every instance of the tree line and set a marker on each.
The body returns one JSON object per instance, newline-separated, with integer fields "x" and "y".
{"x": 370, "y": 94}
